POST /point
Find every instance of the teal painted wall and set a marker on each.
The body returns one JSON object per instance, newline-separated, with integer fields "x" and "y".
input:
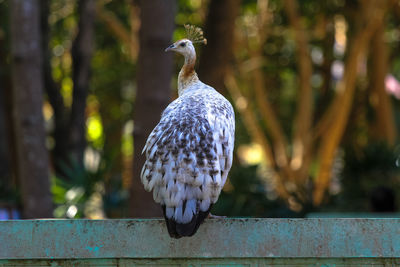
{"x": 219, "y": 242}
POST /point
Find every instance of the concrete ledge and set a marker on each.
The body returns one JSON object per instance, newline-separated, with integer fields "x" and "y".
{"x": 216, "y": 238}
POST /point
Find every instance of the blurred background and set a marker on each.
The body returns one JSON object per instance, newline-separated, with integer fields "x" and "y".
{"x": 314, "y": 84}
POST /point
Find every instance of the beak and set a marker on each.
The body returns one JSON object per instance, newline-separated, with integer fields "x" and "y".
{"x": 170, "y": 48}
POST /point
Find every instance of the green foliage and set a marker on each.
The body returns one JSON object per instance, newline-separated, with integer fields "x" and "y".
{"x": 190, "y": 12}
{"x": 72, "y": 194}
{"x": 367, "y": 173}
{"x": 246, "y": 195}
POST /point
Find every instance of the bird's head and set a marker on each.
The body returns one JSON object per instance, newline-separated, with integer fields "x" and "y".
{"x": 184, "y": 47}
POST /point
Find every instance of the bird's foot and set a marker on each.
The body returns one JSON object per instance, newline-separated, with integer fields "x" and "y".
{"x": 210, "y": 216}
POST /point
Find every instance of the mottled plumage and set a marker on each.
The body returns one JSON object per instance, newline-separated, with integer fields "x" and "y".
{"x": 189, "y": 153}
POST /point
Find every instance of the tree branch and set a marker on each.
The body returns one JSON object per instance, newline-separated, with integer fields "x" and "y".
{"x": 253, "y": 127}
{"x": 346, "y": 89}
{"x": 305, "y": 107}
{"x": 267, "y": 112}
{"x": 60, "y": 132}
{"x": 116, "y": 27}
{"x": 383, "y": 127}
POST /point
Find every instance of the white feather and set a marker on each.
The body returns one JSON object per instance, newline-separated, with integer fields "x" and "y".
{"x": 169, "y": 212}
{"x": 156, "y": 194}
{"x": 178, "y": 214}
{"x": 176, "y": 169}
{"x": 199, "y": 180}
{"x": 145, "y": 180}
{"x": 153, "y": 151}
{"x": 189, "y": 211}
{"x": 205, "y": 204}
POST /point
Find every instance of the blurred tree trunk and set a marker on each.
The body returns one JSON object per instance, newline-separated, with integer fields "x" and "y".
{"x": 6, "y": 182}
{"x": 112, "y": 144}
{"x": 5, "y": 160}
{"x": 383, "y": 126}
{"x": 153, "y": 91}
{"x": 60, "y": 131}
{"x": 69, "y": 131}
{"x": 218, "y": 53}
{"x": 82, "y": 50}
{"x": 112, "y": 149}
{"x": 33, "y": 163}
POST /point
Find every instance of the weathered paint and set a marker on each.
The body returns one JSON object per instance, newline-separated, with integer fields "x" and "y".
{"x": 206, "y": 262}
{"x": 272, "y": 240}
{"x": 375, "y": 215}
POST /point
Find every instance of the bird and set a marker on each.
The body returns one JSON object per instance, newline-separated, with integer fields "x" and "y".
{"x": 189, "y": 152}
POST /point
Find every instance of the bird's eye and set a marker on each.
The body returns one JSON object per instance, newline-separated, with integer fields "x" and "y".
{"x": 183, "y": 44}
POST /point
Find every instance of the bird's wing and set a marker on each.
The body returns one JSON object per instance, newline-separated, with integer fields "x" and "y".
{"x": 188, "y": 157}
{"x": 189, "y": 154}
{"x": 221, "y": 117}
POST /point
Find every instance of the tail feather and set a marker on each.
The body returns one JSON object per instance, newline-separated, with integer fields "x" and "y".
{"x": 178, "y": 230}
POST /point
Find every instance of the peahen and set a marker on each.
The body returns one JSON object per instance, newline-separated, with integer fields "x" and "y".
{"x": 189, "y": 153}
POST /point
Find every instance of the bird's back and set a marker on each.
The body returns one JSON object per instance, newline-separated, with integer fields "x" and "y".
{"x": 188, "y": 157}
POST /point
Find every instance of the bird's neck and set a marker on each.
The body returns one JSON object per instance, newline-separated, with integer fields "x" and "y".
{"x": 187, "y": 75}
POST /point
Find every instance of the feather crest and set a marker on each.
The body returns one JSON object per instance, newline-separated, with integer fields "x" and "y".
{"x": 195, "y": 34}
